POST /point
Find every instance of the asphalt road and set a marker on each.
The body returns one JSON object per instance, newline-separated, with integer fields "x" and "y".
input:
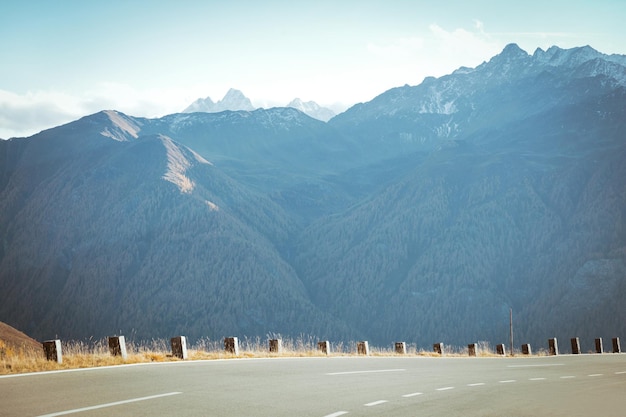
{"x": 566, "y": 385}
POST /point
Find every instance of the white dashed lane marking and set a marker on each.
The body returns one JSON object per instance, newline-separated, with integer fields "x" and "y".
{"x": 414, "y": 394}
{"x": 475, "y": 384}
{"x": 372, "y": 404}
{"x": 366, "y": 372}
{"x": 535, "y": 365}
{"x": 337, "y": 414}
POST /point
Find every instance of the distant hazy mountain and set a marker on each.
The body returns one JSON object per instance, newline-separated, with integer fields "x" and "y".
{"x": 233, "y": 100}
{"x": 423, "y": 215}
{"x": 312, "y": 109}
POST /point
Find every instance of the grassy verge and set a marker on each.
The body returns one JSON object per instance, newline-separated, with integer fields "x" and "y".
{"x": 76, "y": 354}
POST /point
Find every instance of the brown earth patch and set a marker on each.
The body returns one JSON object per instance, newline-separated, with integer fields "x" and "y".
{"x": 16, "y": 339}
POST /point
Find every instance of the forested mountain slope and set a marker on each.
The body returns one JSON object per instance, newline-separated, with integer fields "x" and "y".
{"x": 423, "y": 215}
{"x": 142, "y": 234}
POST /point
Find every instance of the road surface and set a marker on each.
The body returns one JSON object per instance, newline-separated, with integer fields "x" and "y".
{"x": 566, "y": 385}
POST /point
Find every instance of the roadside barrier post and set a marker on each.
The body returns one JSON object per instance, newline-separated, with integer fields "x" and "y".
{"x": 553, "y": 347}
{"x": 276, "y": 345}
{"x": 363, "y": 348}
{"x": 324, "y": 347}
{"x": 616, "y": 345}
{"x": 438, "y": 348}
{"x": 231, "y": 345}
{"x": 400, "y": 348}
{"x": 179, "y": 347}
{"x": 117, "y": 346}
{"x": 471, "y": 349}
{"x": 575, "y": 345}
{"x": 599, "y": 348}
{"x": 526, "y": 349}
{"x": 501, "y": 350}
{"x": 52, "y": 349}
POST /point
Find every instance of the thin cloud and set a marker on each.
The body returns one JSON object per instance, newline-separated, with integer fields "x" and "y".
{"x": 463, "y": 47}
{"x": 27, "y": 114}
{"x": 435, "y": 52}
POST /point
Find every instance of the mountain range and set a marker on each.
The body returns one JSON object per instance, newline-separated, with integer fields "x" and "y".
{"x": 235, "y": 100}
{"x": 424, "y": 215}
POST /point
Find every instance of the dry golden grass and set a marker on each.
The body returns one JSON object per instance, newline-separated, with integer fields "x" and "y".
{"x": 77, "y": 355}
{"x": 90, "y": 354}
{"x": 74, "y": 355}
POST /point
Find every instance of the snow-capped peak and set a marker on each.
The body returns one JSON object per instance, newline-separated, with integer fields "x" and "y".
{"x": 312, "y": 109}
{"x": 572, "y": 58}
{"x": 233, "y": 100}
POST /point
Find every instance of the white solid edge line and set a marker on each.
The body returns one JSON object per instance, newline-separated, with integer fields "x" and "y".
{"x": 337, "y": 414}
{"x": 95, "y": 407}
{"x": 375, "y": 403}
{"x": 99, "y": 368}
{"x": 413, "y": 394}
{"x": 126, "y": 365}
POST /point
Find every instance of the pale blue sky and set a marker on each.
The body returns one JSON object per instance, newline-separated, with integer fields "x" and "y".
{"x": 64, "y": 59}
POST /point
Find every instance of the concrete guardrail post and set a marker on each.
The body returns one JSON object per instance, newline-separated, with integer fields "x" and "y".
{"x": 324, "y": 347}
{"x": 52, "y": 349}
{"x": 599, "y": 347}
{"x": 501, "y": 349}
{"x": 575, "y": 346}
{"x": 438, "y": 348}
{"x": 616, "y": 345}
{"x": 179, "y": 347}
{"x": 231, "y": 345}
{"x": 117, "y": 346}
{"x": 400, "y": 348}
{"x": 553, "y": 347}
{"x": 526, "y": 349}
{"x": 363, "y": 348}
{"x": 276, "y": 345}
{"x": 471, "y": 349}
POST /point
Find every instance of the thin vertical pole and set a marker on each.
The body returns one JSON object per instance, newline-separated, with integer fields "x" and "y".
{"x": 511, "y": 329}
